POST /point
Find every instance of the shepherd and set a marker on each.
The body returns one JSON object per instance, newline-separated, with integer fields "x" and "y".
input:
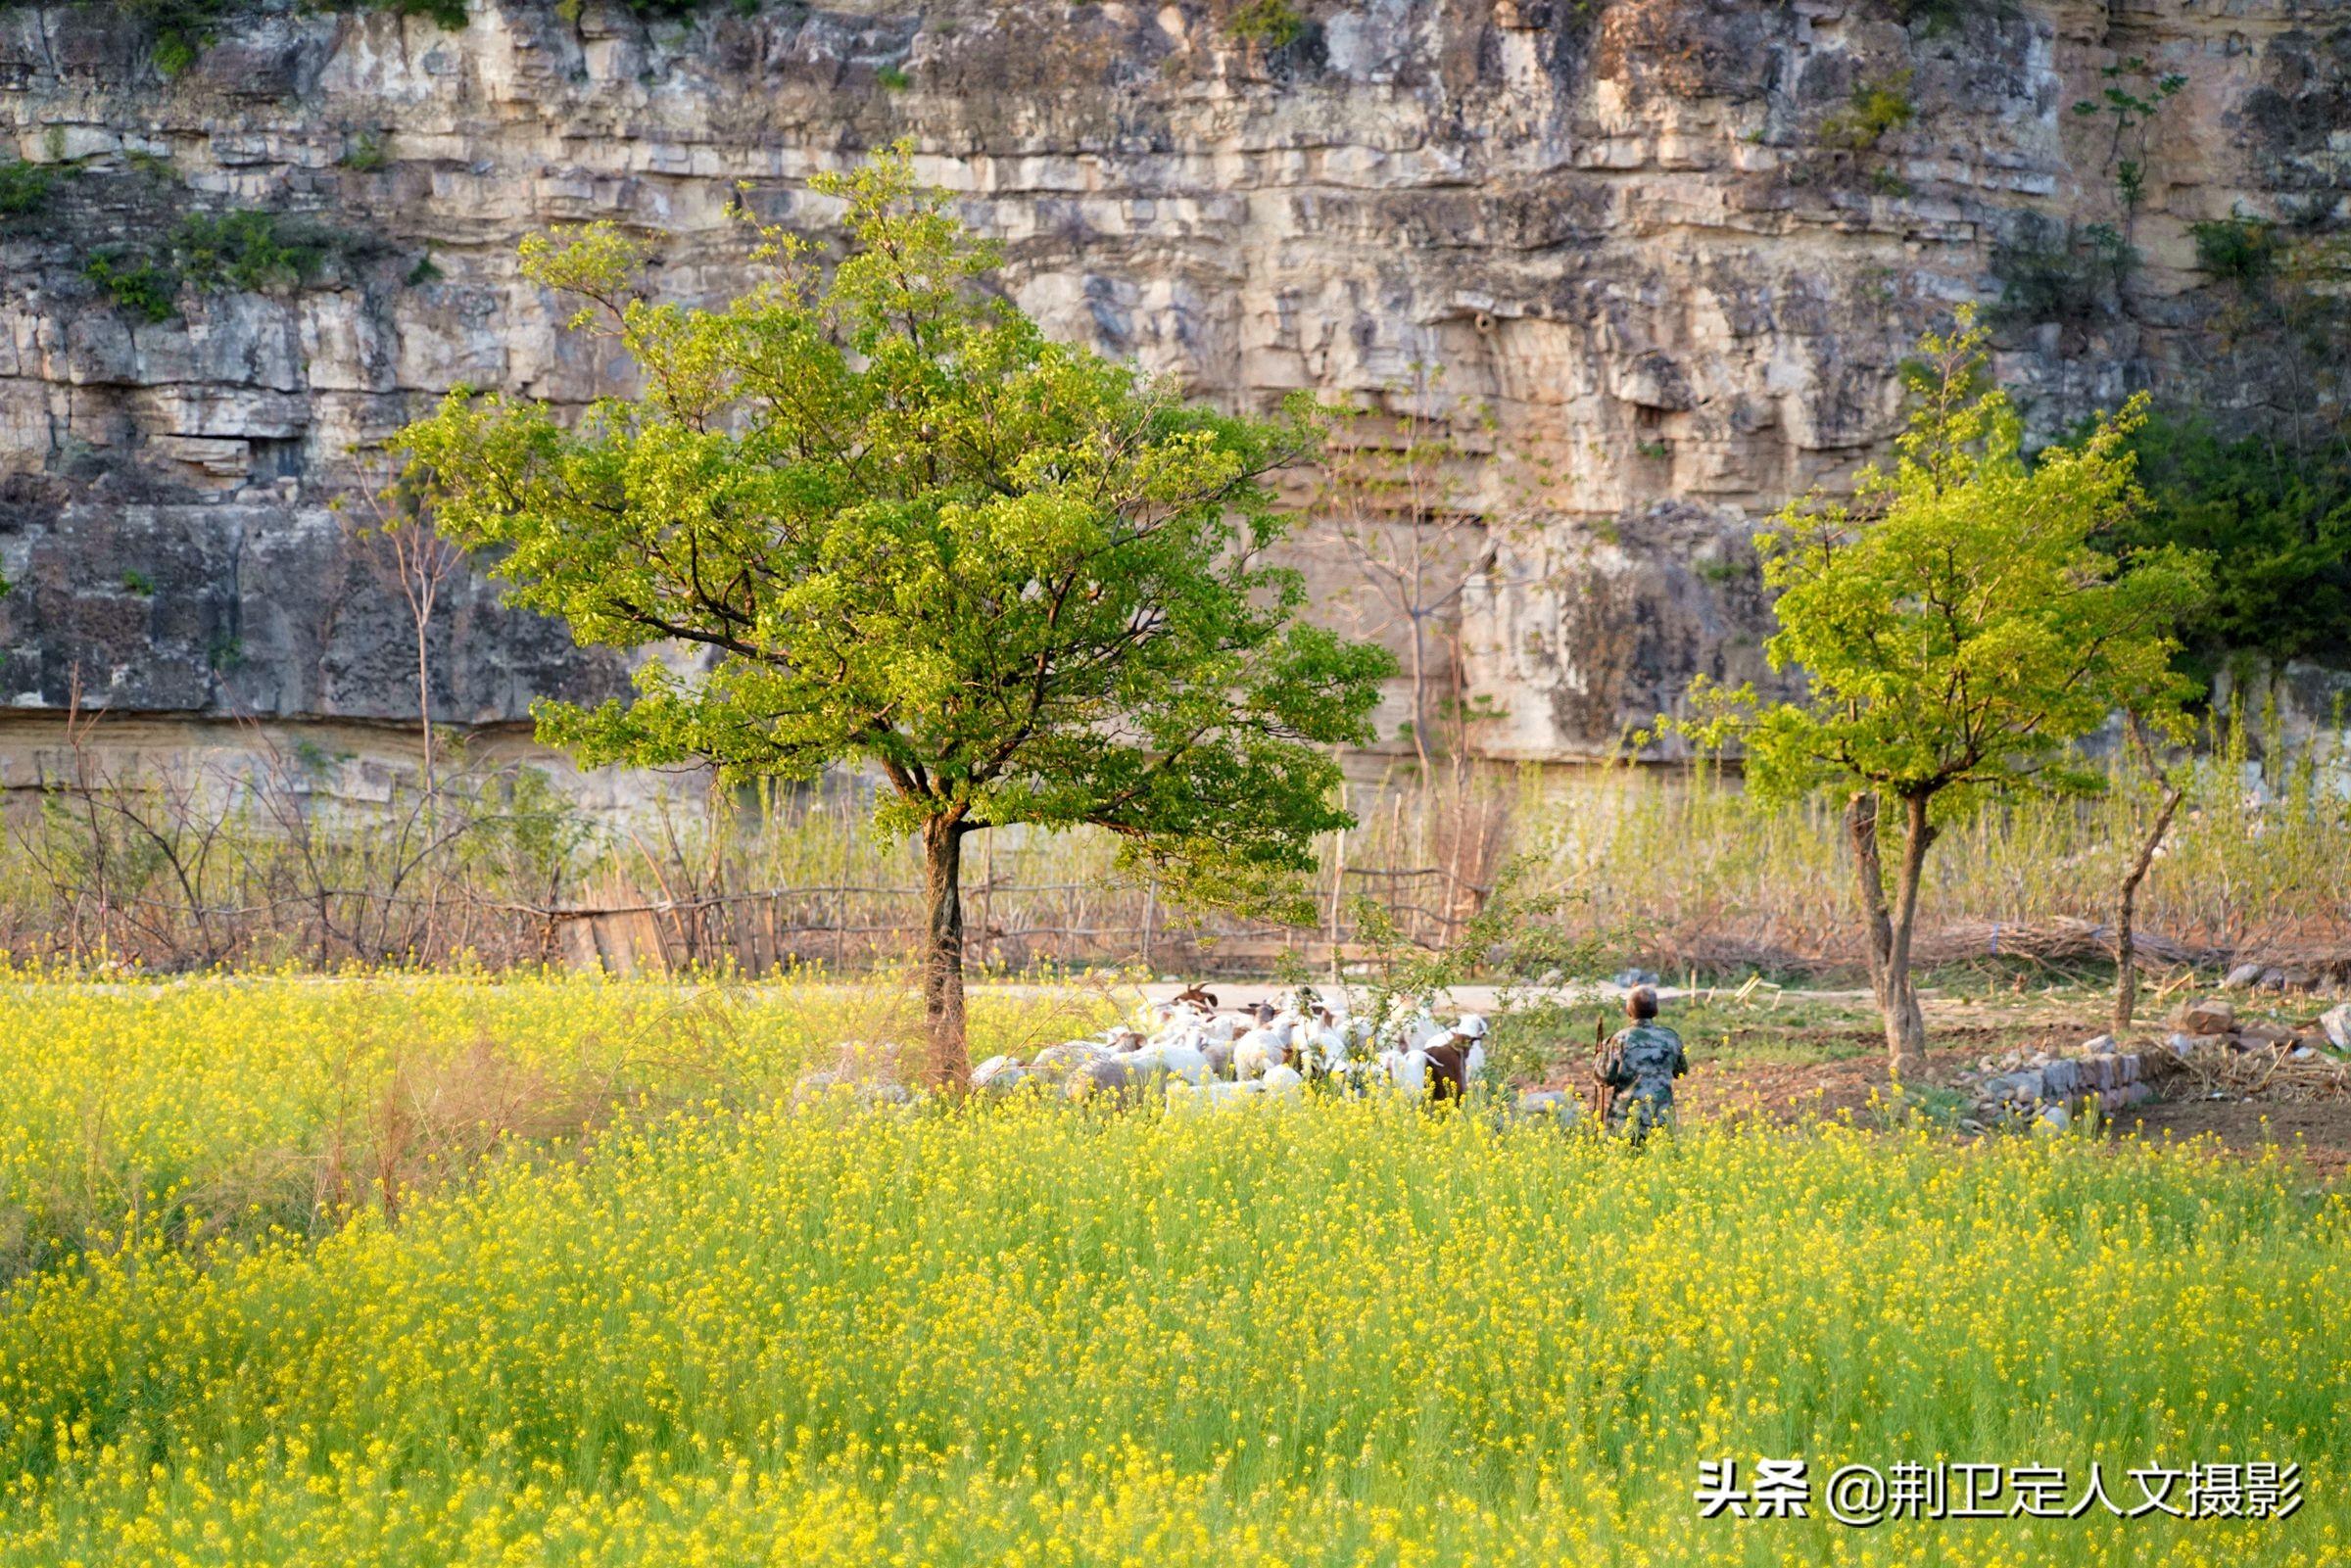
{"x": 1638, "y": 1065}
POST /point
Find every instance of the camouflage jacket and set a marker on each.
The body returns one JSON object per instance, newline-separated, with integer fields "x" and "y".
{"x": 1642, "y": 1062}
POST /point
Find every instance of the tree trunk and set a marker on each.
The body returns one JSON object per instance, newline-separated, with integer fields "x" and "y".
{"x": 943, "y": 962}
{"x": 2126, "y": 912}
{"x": 1419, "y": 701}
{"x": 1905, "y": 1024}
{"x": 1869, "y": 871}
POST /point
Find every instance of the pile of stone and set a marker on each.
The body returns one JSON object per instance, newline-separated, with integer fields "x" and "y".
{"x": 2271, "y": 977}
{"x": 2212, "y": 1025}
{"x": 2048, "y": 1092}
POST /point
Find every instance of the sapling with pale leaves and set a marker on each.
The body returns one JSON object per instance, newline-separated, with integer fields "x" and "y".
{"x": 1960, "y": 628}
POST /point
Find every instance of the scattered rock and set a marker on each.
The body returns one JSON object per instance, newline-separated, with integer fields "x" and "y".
{"x": 1551, "y": 1105}
{"x": 1110, "y": 1075}
{"x": 1628, "y": 978}
{"x": 2337, "y": 1021}
{"x": 2211, "y": 1016}
{"x": 2103, "y": 1045}
{"x": 815, "y": 1087}
{"x": 2302, "y": 1053}
{"x": 2025, "y": 1083}
{"x": 2053, "y": 1119}
{"x": 2243, "y": 977}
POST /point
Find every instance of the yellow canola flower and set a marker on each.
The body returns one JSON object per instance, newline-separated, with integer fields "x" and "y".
{"x": 725, "y": 1328}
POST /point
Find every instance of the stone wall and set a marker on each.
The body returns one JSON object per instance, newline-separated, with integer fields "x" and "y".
{"x": 1667, "y": 286}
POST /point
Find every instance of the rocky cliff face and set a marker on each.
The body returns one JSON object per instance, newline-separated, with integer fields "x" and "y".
{"x": 1668, "y": 253}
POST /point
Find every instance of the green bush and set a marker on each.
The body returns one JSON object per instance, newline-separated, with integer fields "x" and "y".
{"x": 2237, "y": 249}
{"x": 138, "y": 286}
{"x": 2277, "y": 524}
{"x": 253, "y": 250}
{"x": 1875, "y": 110}
{"x": 1272, "y": 23}
{"x": 1942, "y": 16}
{"x": 366, "y": 153}
{"x": 24, "y": 187}
{"x": 2072, "y": 279}
{"x": 246, "y": 250}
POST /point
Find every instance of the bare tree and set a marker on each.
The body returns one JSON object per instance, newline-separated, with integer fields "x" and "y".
{"x": 1391, "y": 509}
{"x": 2171, "y": 789}
{"x": 409, "y": 555}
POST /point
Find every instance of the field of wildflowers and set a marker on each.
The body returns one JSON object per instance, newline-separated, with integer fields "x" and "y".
{"x": 237, "y": 1107}
{"x": 714, "y": 1326}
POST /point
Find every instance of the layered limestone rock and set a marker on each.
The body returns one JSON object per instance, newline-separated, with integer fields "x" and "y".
{"x": 1665, "y": 252}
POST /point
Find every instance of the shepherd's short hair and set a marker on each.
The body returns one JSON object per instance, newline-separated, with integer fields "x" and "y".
{"x": 1641, "y": 1002}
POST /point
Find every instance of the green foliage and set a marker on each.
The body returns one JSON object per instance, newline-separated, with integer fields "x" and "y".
{"x": 182, "y": 29}
{"x": 2236, "y": 249}
{"x": 2130, "y": 114}
{"x": 366, "y": 153}
{"x": 909, "y": 531}
{"x": 1268, "y": 23}
{"x": 256, "y": 251}
{"x": 139, "y": 583}
{"x": 1957, "y": 621}
{"x": 894, "y": 79}
{"x": 24, "y": 187}
{"x": 1959, "y": 629}
{"x": 176, "y": 50}
{"x": 449, "y": 14}
{"x": 139, "y": 286}
{"x": 2277, "y": 523}
{"x": 248, "y": 250}
{"x": 2071, "y": 280}
{"x": 1875, "y": 110}
{"x": 1942, "y": 16}
{"x": 426, "y": 270}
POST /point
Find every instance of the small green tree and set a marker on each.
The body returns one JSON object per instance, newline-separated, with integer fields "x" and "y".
{"x": 903, "y": 529}
{"x": 1960, "y": 628}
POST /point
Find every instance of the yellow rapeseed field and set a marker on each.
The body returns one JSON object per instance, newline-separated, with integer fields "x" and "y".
{"x": 728, "y": 1329}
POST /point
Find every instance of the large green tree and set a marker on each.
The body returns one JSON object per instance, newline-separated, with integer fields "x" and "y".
{"x": 906, "y": 530}
{"x": 1960, "y": 629}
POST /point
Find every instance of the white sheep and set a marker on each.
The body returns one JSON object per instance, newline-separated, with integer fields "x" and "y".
{"x": 1256, "y": 1052}
{"x": 1407, "y": 1070}
{"x": 1281, "y": 1082}
{"x": 1175, "y": 1057}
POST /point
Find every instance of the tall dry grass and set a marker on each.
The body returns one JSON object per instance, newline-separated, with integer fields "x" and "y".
{"x": 1664, "y": 867}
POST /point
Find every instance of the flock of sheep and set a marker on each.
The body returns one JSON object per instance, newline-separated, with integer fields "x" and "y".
{"x": 1201, "y": 1054}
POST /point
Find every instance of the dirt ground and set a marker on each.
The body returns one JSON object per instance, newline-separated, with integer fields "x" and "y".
{"x": 2316, "y": 1133}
